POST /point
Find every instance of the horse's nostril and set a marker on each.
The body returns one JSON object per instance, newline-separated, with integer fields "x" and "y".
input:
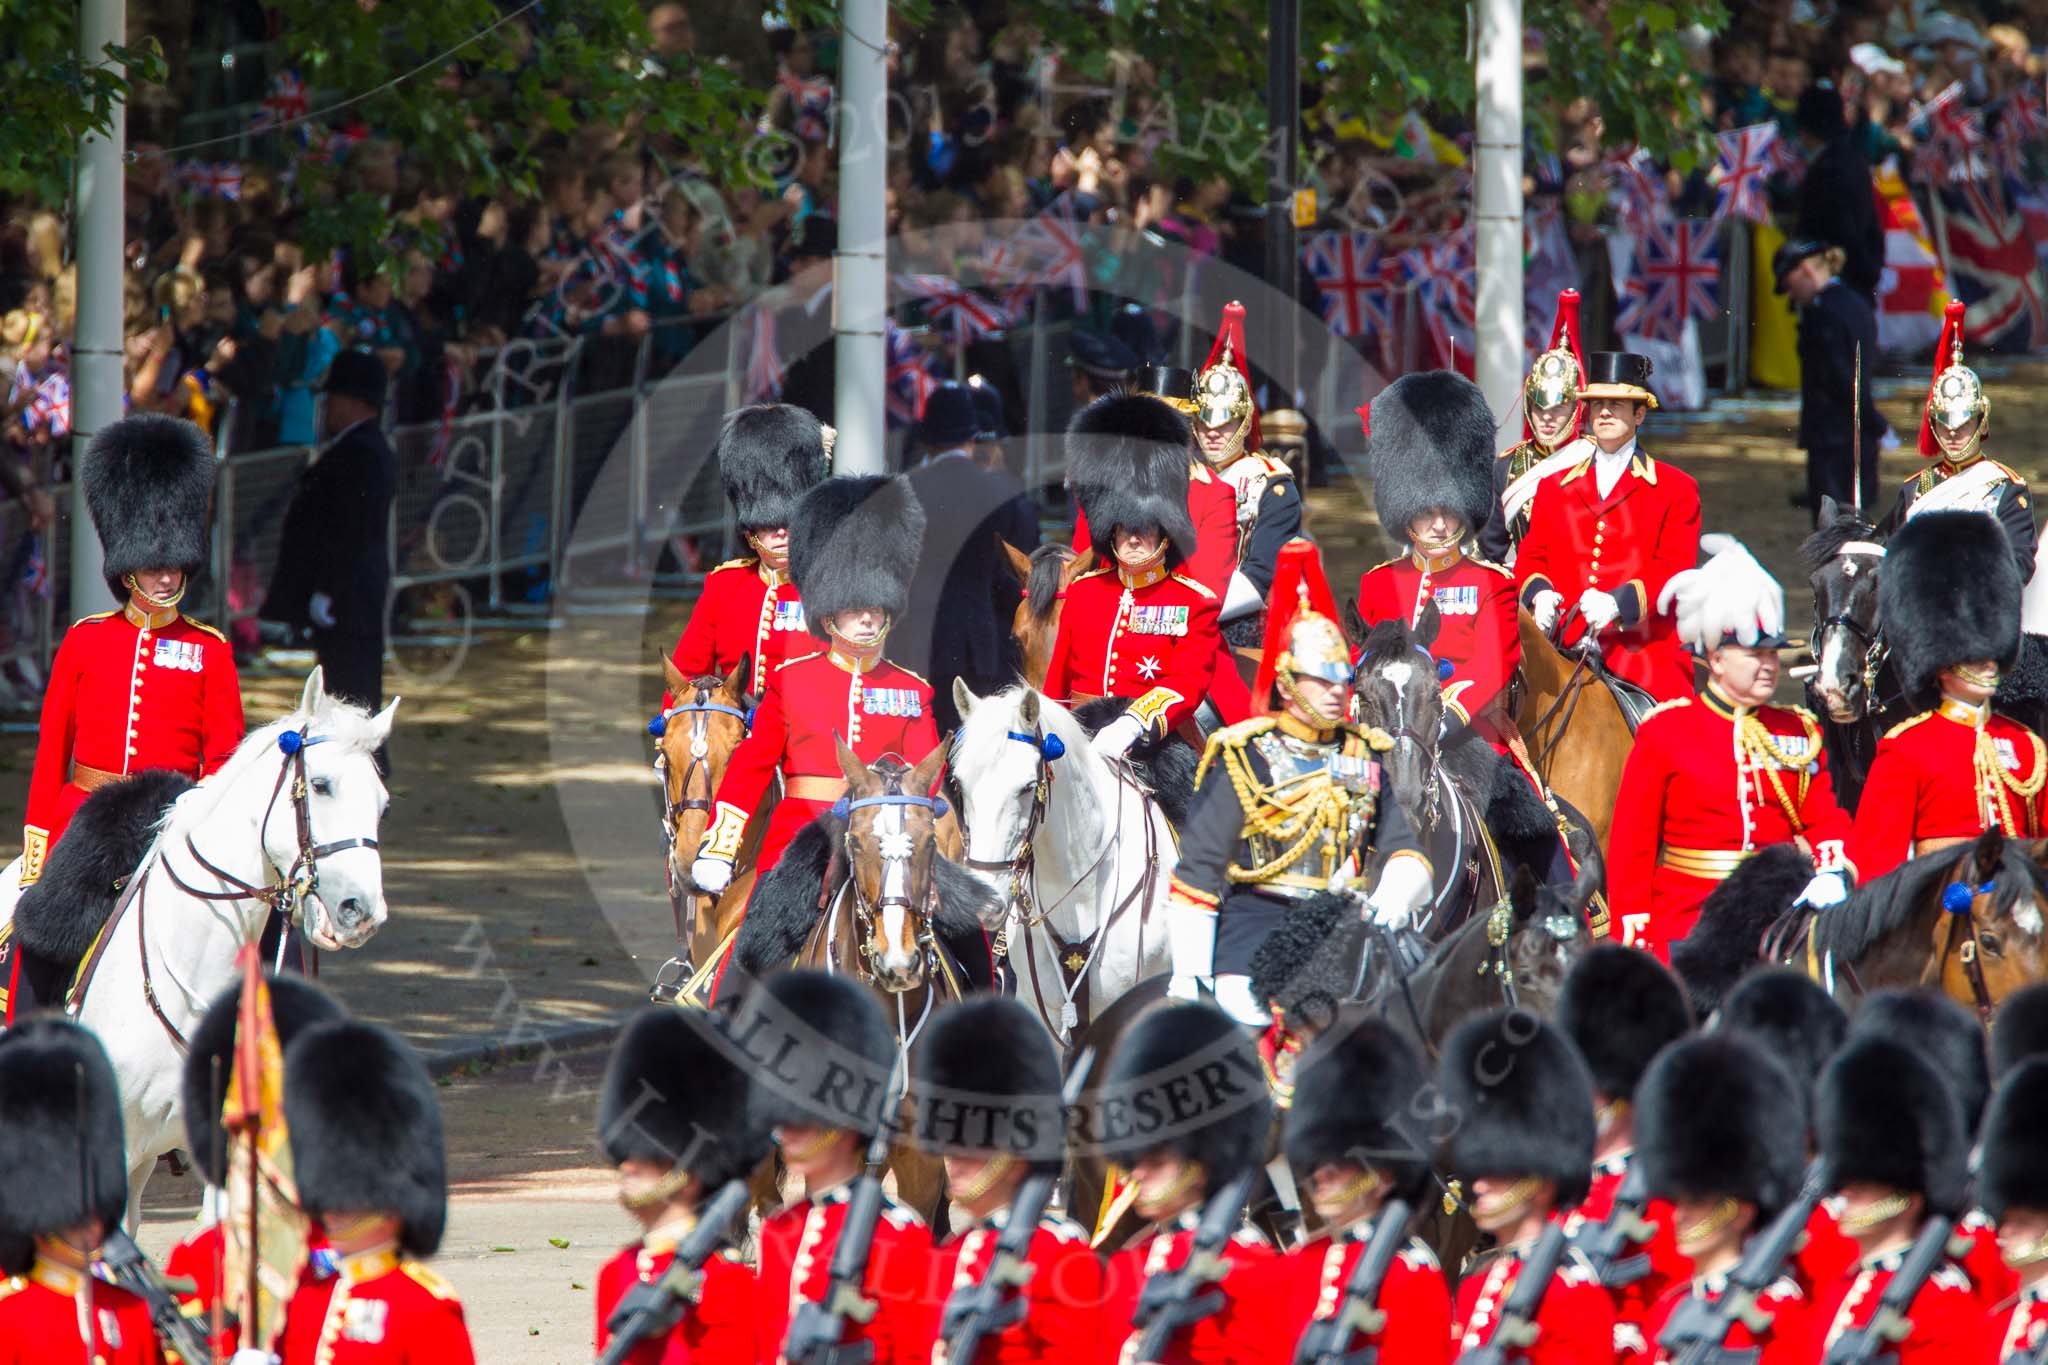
{"x": 349, "y": 913}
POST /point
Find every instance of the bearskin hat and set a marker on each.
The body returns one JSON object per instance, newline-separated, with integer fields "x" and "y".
{"x": 988, "y": 1079}
{"x": 1525, "y": 1101}
{"x": 2014, "y": 1170}
{"x": 675, "y": 1092}
{"x": 1939, "y": 1029}
{"x": 769, "y": 455}
{"x": 1186, "y": 1078}
{"x": 1949, "y": 594}
{"x": 1308, "y": 966}
{"x": 59, "y": 1105}
{"x": 853, "y": 544}
{"x": 1355, "y": 1093}
{"x": 825, "y": 1050}
{"x": 1884, "y": 1115}
{"x": 1621, "y": 1007}
{"x": 1791, "y": 1015}
{"x": 1717, "y": 1115}
{"x": 1127, "y": 460}
{"x": 149, "y": 488}
{"x": 366, "y": 1129}
{"x": 1431, "y": 445}
{"x": 296, "y": 1004}
{"x": 2020, "y": 1028}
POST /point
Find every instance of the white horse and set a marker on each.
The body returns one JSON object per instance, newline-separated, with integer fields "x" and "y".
{"x": 1076, "y": 846}
{"x": 223, "y": 848}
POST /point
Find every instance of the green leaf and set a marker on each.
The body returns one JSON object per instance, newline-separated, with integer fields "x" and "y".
{"x": 559, "y": 1243}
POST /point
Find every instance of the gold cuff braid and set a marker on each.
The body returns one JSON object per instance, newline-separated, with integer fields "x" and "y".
{"x": 35, "y": 843}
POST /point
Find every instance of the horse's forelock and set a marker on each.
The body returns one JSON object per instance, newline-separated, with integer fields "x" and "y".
{"x": 1824, "y": 544}
{"x": 1048, "y": 566}
{"x": 1388, "y": 642}
{"x": 338, "y": 722}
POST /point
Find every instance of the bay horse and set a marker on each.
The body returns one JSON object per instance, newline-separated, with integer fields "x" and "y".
{"x": 1045, "y": 574}
{"x": 1854, "y": 690}
{"x": 1577, "y": 736}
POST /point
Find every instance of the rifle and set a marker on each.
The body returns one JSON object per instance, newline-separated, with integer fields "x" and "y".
{"x": 975, "y": 1312}
{"x": 817, "y": 1330}
{"x": 1878, "y": 1339}
{"x": 1328, "y": 1341}
{"x": 1181, "y": 1298}
{"x": 1517, "y": 1331}
{"x": 1697, "y": 1328}
{"x": 128, "y": 1267}
{"x": 653, "y": 1309}
{"x": 1611, "y": 1246}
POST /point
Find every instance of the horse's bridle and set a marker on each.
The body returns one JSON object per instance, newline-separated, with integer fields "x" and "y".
{"x": 1019, "y": 863}
{"x": 1875, "y": 650}
{"x": 1959, "y": 921}
{"x": 700, "y": 711}
{"x": 866, "y": 911}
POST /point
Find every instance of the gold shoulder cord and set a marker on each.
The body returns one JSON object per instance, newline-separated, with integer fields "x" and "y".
{"x": 1768, "y": 759}
{"x": 1321, "y": 808}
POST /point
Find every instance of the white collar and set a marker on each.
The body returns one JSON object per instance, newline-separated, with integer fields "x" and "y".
{"x": 1615, "y": 457}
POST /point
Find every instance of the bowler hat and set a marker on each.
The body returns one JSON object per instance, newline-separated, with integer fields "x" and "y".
{"x": 358, "y": 375}
{"x": 1104, "y": 357}
{"x": 949, "y": 419}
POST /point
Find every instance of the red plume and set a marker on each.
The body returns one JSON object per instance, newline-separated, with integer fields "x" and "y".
{"x": 1947, "y": 353}
{"x": 1232, "y": 333}
{"x": 1564, "y": 327}
{"x": 1298, "y": 584}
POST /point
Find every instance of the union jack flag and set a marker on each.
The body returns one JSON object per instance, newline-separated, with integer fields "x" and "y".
{"x": 1997, "y": 272}
{"x": 286, "y": 100}
{"x": 2017, "y": 130}
{"x": 50, "y": 409}
{"x": 1953, "y": 141}
{"x": 1739, "y": 175}
{"x": 910, "y": 379}
{"x": 1347, "y": 269}
{"x": 1677, "y": 276}
{"x": 764, "y": 366}
{"x": 1047, "y": 250}
{"x": 1637, "y": 190}
{"x": 810, "y": 105}
{"x": 35, "y": 570}
{"x": 955, "y": 308}
{"x": 1442, "y": 274}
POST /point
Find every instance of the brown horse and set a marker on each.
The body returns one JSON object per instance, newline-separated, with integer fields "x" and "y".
{"x": 1577, "y": 737}
{"x": 1045, "y": 574}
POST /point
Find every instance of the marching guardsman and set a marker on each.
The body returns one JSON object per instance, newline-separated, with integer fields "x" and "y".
{"x": 673, "y": 1118}
{"x": 371, "y": 1165}
{"x": 1897, "y": 1154}
{"x": 1180, "y": 1049}
{"x": 1721, "y": 1133}
{"x": 142, "y": 687}
{"x": 1524, "y": 1154}
{"x": 988, "y": 1099}
{"x": 1620, "y": 1008}
{"x": 1267, "y": 505}
{"x": 1716, "y": 777}
{"x": 1962, "y": 478}
{"x": 63, "y": 1186}
{"x": 768, "y": 455}
{"x": 826, "y": 1055}
{"x": 1286, "y": 806}
{"x": 1550, "y": 422}
{"x": 1357, "y": 1137}
{"x": 1606, "y": 534}
{"x": 1134, "y": 626}
{"x": 853, "y": 546}
{"x": 1950, "y": 600}
{"x": 2012, "y": 1185}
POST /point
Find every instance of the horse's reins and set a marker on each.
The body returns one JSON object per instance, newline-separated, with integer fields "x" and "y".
{"x": 700, "y": 711}
{"x": 1567, "y": 701}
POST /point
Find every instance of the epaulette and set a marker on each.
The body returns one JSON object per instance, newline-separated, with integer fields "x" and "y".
{"x": 1231, "y": 737}
{"x": 1198, "y": 470}
{"x": 206, "y": 629}
{"x": 1661, "y": 707}
{"x": 1418, "y": 1255}
{"x": 14, "y": 1284}
{"x": 900, "y": 1215}
{"x": 1274, "y": 466}
{"x": 911, "y": 671}
{"x": 814, "y": 654}
{"x": 1503, "y": 570}
{"x": 1907, "y": 724}
{"x": 1198, "y": 587}
{"x": 1388, "y": 563}
{"x": 96, "y": 616}
{"x": 1095, "y": 572}
{"x": 428, "y": 1280}
{"x": 2010, "y": 472}
{"x": 743, "y": 562}
{"x": 1949, "y": 1275}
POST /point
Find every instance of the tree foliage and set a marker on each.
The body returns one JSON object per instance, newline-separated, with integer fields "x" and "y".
{"x": 52, "y": 97}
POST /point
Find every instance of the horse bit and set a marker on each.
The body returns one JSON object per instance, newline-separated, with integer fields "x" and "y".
{"x": 669, "y": 979}
{"x": 896, "y": 849}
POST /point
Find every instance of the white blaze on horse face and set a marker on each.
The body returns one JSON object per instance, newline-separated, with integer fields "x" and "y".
{"x": 893, "y": 843}
{"x": 997, "y": 803}
{"x": 2026, "y": 913}
{"x": 1829, "y": 681}
{"x": 1399, "y": 675}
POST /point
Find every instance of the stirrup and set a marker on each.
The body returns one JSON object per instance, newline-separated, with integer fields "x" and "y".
{"x": 669, "y": 981}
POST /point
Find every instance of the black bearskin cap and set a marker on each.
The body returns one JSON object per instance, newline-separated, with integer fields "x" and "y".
{"x": 1717, "y": 1115}
{"x": 1885, "y": 1116}
{"x": 47, "y": 1119}
{"x": 854, "y": 544}
{"x": 1356, "y": 1093}
{"x": 2014, "y": 1173}
{"x": 988, "y": 1079}
{"x": 1524, "y": 1100}
{"x": 1949, "y": 594}
{"x": 675, "y": 1091}
{"x": 366, "y": 1129}
{"x": 1127, "y": 460}
{"x": 1621, "y": 1007}
{"x": 824, "y": 1047}
{"x": 1939, "y": 1029}
{"x": 296, "y": 1004}
{"x": 2020, "y": 1028}
{"x": 149, "y": 488}
{"x": 1794, "y": 1018}
{"x": 1308, "y": 966}
{"x": 1186, "y": 1078}
{"x": 769, "y": 455}
{"x": 1431, "y": 442}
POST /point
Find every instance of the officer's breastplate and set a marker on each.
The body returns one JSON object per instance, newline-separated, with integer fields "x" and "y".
{"x": 1298, "y": 780}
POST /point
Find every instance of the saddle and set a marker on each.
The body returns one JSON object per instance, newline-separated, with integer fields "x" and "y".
{"x": 1635, "y": 702}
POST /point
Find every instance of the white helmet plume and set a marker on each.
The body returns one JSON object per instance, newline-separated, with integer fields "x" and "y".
{"x": 1731, "y": 596}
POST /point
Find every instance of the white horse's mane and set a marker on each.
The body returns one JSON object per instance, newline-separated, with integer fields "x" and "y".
{"x": 335, "y": 721}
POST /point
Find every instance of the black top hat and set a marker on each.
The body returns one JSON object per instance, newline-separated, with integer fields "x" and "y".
{"x": 1618, "y": 374}
{"x": 1173, "y": 383}
{"x": 359, "y": 375}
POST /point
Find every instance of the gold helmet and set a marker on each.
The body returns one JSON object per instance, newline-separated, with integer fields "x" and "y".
{"x": 1956, "y": 397}
{"x": 1553, "y": 379}
{"x": 1315, "y": 645}
{"x": 1223, "y": 390}
{"x": 1302, "y": 635}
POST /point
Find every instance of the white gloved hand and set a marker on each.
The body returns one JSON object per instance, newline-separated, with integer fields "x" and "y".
{"x": 1187, "y": 988}
{"x": 1404, "y": 887}
{"x": 1599, "y": 608}
{"x": 249, "y": 1355}
{"x": 1191, "y": 948}
{"x": 1826, "y": 889}
{"x": 712, "y": 875}
{"x": 1545, "y": 608}
{"x": 321, "y": 609}
{"x": 1234, "y": 998}
{"x": 1347, "y": 873}
{"x": 1113, "y": 739}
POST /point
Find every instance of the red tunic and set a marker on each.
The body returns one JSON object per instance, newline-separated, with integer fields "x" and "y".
{"x": 39, "y": 1322}
{"x": 1480, "y": 636}
{"x": 2020, "y": 1327}
{"x": 1787, "y": 1340}
{"x": 745, "y": 610}
{"x": 1629, "y": 544}
{"x": 1992, "y": 1281}
{"x": 1947, "y": 1325}
{"x": 719, "y": 1329}
{"x": 1234, "y": 1335}
{"x": 1692, "y": 801}
{"x": 1827, "y": 1253}
{"x": 1063, "y": 1300}
{"x": 1154, "y": 641}
{"x": 379, "y": 1310}
{"x": 796, "y": 1255}
{"x": 1574, "y": 1325}
{"x": 125, "y": 697}
{"x": 1634, "y": 1303}
{"x": 1307, "y": 1285}
{"x": 1924, "y": 784}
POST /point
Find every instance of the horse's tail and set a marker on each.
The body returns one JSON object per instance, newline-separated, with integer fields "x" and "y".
{"x": 785, "y": 903}
{"x": 1724, "y": 945}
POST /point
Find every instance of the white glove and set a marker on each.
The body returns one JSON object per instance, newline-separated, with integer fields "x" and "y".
{"x": 1404, "y": 887}
{"x": 321, "y": 609}
{"x": 249, "y": 1355}
{"x": 1826, "y": 889}
{"x": 1599, "y": 608}
{"x": 1191, "y": 947}
{"x": 1347, "y": 873}
{"x": 712, "y": 875}
{"x": 1234, "y": 998}
{"x": 1545, "y": 608}
{"x": 1113, "y": 739}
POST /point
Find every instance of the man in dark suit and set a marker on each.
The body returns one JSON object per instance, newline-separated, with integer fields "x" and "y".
{"x": 1836, "y": 201}
{"x": 1016, "y": 521}
{"x": 333, "y": 576}
{"x": 1834, "y": 322}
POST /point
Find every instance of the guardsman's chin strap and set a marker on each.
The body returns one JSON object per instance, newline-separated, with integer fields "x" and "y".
{"x": 150, "y": 599}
